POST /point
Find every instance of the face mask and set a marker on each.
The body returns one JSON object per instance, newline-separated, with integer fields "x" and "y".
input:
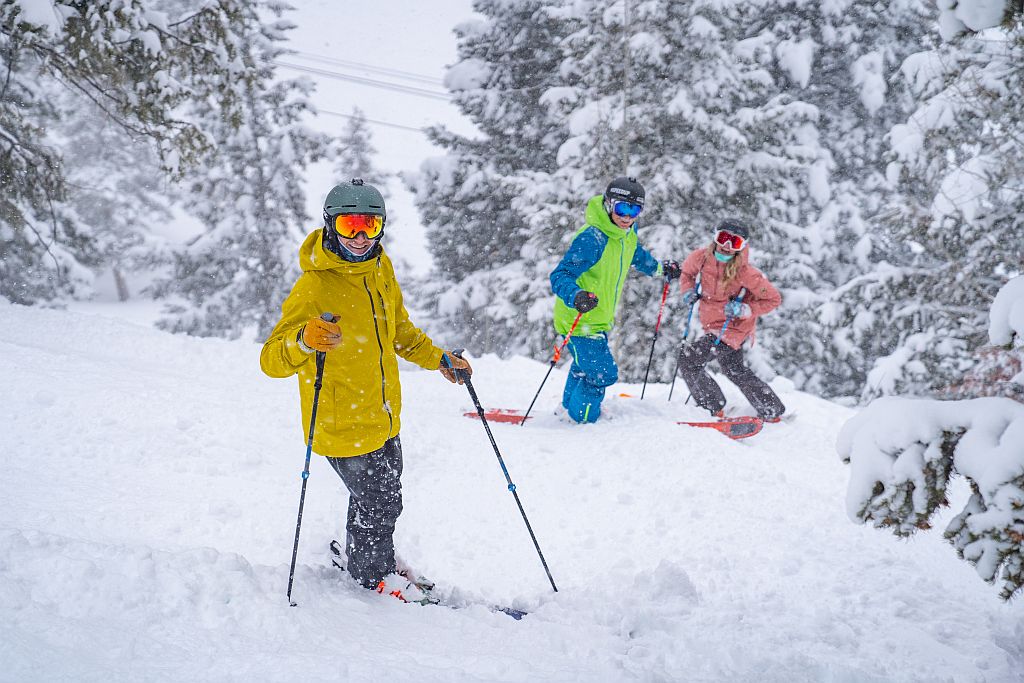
{"x": 334, "y": 245}
{"x": 724, "y": 258}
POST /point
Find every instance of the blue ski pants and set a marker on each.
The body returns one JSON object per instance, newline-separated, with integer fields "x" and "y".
{"x": 593, "y": 369}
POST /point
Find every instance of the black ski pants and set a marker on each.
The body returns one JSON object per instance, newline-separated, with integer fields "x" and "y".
{"x": 707, "y": 393}
{"x": 374, "y": 504}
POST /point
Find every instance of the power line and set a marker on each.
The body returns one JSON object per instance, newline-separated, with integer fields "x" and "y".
{"x": 385, "y": 71}
{"x": 372, "y": 82}
{"x": 379, "y": 123}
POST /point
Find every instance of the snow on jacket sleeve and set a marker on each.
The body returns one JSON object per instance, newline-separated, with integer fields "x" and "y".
{"x": 644, "y": 262}
{"x": 412, "y": 343}
{"x": 762, "y": 296}
{"x": 584, "y": 252}
{"x": 281, "y": 355}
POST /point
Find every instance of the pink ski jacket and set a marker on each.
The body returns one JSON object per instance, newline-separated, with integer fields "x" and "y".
{"x": 761, "y": 295}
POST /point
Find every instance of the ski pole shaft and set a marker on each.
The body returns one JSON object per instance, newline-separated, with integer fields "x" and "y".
{"x": 686, "y": 334}
{"x": 321, "y": 356}
{"x": 467, "y": 380}
{"x": 553, "y": 362}
{"x": 657, "y": 326}
{"x": 728, "y": 318}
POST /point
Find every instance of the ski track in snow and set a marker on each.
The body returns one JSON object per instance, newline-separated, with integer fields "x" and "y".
{"x": 147, "y": 511}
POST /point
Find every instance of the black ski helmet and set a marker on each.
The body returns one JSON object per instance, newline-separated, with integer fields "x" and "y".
{"x": 354, "y": 196}
{"x": 736, "y": 227}
{"x": 623, "y": 189}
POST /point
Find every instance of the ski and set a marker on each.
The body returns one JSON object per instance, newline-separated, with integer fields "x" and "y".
{"x": 500, "y": 415}
{"x": 741, "y": 427}
{"x": 427, "y": 587}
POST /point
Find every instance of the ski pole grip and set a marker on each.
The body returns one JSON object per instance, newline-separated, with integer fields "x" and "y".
{"x": 328, "y": 317}
{"x": 458, "y": 372}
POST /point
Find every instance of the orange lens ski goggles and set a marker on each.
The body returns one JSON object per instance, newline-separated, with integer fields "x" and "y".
{"x": 348, "y": 225}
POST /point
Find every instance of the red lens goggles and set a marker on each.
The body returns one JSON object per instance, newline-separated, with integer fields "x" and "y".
{"x": 732, "y": 240}
{"x": 348, "y": 225}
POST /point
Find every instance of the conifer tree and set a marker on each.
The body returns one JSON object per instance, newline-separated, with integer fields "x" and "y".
{"x": 247, "y": 191}
{"x": 130, "y": 63}
{"x": 956, "y": 223}
{"x": 356, "y": 152}
{"x": 471, "y": 200}
{"x": 169, "y": 75}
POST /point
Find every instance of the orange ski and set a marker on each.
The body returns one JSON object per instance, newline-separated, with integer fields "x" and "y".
{"x": 733, "y": 427}
{"x": 500, "y": 415}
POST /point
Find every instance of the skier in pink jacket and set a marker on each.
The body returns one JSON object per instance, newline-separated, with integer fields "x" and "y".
{"x": 732, "y": 295}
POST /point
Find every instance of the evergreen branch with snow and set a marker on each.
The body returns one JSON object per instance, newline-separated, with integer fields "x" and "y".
{"x": 903, "y": 452}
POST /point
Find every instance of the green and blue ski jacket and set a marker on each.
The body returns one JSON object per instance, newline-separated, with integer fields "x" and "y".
{"x": 597, "y": 261}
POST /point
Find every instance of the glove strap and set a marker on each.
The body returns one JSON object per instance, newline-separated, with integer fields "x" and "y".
{"x": 302, "y": 345}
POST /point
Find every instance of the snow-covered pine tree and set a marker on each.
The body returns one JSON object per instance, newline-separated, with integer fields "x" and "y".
{"x": 247, "y": 190}
{"x": 356, "y": 153}
{"x": 483, "y": 291}
{"x": 956, "y": 225}
{"x": 841, "y": 58}
{"x": 710, "y": 132}
{"x": 706, "y": 132}
{"x": 63, "y": 60}
{"x": 904, "y": 453}
{"x": 143, "y": 66}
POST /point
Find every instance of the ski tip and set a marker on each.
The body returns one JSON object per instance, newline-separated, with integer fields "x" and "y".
{"x": 732, "y": 427}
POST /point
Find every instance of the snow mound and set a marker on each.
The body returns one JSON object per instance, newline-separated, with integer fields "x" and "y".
{"x": 147, "y": 511}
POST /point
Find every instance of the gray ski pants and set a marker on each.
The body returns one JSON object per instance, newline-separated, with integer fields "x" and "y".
{"x": 707, "y": 393}
{"x": 374, "y": 504}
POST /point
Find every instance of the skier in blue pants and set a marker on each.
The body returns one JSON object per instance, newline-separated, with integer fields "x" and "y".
{"x": 589, "y": 280}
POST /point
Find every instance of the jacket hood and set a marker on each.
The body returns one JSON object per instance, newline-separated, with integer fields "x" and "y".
{"x": 598, "y": 217}
{"x": 313, "y": 256}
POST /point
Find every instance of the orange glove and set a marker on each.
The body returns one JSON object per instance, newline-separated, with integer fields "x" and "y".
{"x": 321, "y": 335}
{"x": 457, "y": 364}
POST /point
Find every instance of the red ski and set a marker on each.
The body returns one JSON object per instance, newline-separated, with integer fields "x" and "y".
{"x": 500, "y": 415}
{"x": 733, "y": 427}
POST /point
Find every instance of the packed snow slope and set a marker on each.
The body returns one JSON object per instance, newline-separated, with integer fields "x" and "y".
{"x": 147, "y": 509}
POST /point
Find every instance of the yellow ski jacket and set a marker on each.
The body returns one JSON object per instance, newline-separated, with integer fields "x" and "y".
{"x": 361, "y": 398}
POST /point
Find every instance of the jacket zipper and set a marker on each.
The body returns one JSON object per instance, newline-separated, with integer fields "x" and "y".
{"x": 618, "y": 280}
{"x": 380, "y": 345}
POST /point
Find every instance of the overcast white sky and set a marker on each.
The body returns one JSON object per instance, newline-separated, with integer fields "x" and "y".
{"x": 396, "y": 47}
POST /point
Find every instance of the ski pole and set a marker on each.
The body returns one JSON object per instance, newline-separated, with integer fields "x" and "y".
{"x": 728, "y": 318}
{"x": 657, "y": 326}
{"x": 465, "y": 377}
{"x": 321, "y": 356}
{"x": 686, "y": 334}
{"x": 553, "y": 361}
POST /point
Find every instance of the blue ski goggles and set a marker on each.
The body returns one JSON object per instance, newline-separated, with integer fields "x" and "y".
{"x": 627, "y": 209}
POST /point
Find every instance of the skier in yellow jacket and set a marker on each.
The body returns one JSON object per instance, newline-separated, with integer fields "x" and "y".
{"x": 346, "y": 272}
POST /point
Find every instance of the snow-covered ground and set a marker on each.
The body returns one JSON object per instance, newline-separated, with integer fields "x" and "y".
{"x": 147, "y": 508}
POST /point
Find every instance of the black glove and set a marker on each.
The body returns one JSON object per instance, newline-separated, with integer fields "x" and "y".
{"x": 585, "y": 301}
{"x": 671, "y": 269}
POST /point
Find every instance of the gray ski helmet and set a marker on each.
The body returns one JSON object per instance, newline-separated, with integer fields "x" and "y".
{"x": 354, "y": 196}
{"x": 736, "y": 227}
{"x": 623, "y": 189}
